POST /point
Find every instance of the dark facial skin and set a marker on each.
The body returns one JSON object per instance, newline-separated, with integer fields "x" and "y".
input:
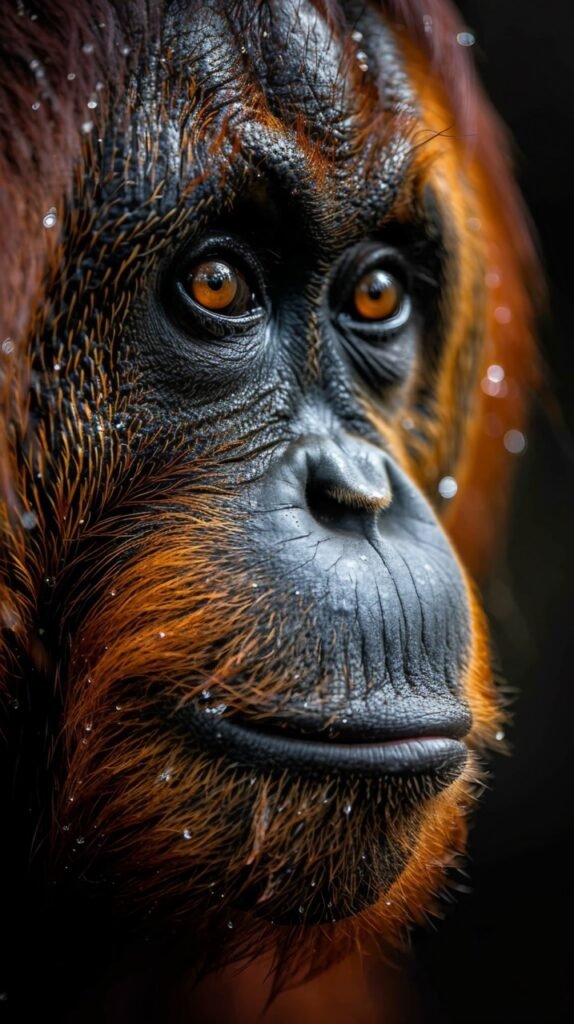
{"x": 334, "y": 678}
{"x": 327, "y": 511}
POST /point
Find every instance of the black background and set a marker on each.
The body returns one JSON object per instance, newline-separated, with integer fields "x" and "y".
{"x": 504, "y": 951}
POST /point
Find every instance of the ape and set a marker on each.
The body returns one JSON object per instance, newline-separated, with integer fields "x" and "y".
{"x": 266, "y": 302}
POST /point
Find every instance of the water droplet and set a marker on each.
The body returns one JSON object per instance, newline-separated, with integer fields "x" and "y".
{"x": 57, "y": 367}
{"x": 119, "y": 707}
{"x": 514, "y": 442}
{"x": 88, "y": 48}
{"x": 347, "y": 809}
{"x": 50, "y": 581}
{"x": 500, "y": 735}
{"x": 230, "y": 924}
{"x": 216, "y": 709}
{"x": 502, "y": 315}
{"x": 356, "y": 36}
{"x": 205, "y": 695}
{"x": 36, "y": 105}
{"x": 99, "y": 86}
{"x": 7, "y": 346}
{"x": 495, "y": 373}
{"x": 88, "y": 726}
{"x": 186, "y": 833}
{"x": 301, "y": 909}
{"x": 80, "y": 840}
{"x": 65, "y": 828}
{"x": 71, "y": 76}
{"x": 29, "y": 520}
{"x": 14, "y": 704}
{"x": 124, "y": 50}
{"x": 466, "y": 39}
{"x": 92, "y": 104}
{"x": 388, "y": 903}
{"x": 86, "y": 127}
{"x": 447, "y": 487}
{"x": 113, "y": 593}
{"x": 164, "y": 776}
{"x": 161, "y": 634}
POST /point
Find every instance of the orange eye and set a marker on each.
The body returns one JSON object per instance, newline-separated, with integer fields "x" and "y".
{"x": 378, "y": 295}
{"x": 219, "y": 287}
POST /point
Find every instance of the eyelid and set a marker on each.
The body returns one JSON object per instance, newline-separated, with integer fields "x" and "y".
{"x": 208, "y": 316}
{"x": 231, "y": 249}
{"x": 355, "y": 264}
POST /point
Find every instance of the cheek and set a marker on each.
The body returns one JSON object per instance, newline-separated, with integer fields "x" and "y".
{"x": 182, "y": 626}
{"x": 488, "y": 715}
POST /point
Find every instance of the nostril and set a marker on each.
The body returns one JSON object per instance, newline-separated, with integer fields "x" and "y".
{"x": 344, "y": 486}
{"x": 338, "y": 506}
{"x": 327, "y": 508}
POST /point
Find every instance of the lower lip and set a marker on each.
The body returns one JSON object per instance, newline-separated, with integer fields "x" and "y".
{"x": 420, "y": 755}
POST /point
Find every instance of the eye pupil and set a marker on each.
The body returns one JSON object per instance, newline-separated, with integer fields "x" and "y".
{"x": 214, "y": 284}
{"x": 377, "y": 296}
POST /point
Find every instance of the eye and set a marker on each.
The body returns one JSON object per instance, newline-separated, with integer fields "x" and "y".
{"x": 378, "y": 296}
{"x": 374, "y": 314}
{"x": 219, "y": 287}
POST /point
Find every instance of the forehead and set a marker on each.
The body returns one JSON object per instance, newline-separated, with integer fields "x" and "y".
{"x": 300, "y": 58}
{"x": 280, "y": 84}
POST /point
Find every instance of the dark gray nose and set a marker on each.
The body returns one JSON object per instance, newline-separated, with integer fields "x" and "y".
{"x": 343, "y": 484}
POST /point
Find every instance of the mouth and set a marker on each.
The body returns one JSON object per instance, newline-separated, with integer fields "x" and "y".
{"x": 369, "y": 742}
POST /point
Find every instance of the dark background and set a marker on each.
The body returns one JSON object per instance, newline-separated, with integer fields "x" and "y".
{"x": 504, "y": 951}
